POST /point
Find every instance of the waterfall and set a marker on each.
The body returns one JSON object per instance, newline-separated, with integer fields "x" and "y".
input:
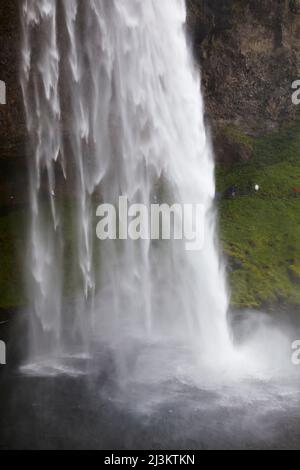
{"x": 114, "y": 108}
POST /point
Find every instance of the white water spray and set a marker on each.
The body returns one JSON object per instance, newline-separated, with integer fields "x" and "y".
{"x": 114, "y": 108}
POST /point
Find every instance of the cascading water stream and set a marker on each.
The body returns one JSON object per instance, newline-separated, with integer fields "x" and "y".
{"x": 129, "y": 344}
{"x": 114, "y": 108}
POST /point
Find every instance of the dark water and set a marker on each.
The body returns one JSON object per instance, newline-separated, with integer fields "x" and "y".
{"x": 94, "y": 411}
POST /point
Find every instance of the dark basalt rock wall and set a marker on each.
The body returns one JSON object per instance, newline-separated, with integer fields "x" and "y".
{"x": 13, "y": 180}
{"x": 11, "y": 115}
{"x": 249, "y": 51}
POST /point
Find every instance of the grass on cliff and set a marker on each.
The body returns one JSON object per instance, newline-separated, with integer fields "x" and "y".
{"x": 260, "y": 232}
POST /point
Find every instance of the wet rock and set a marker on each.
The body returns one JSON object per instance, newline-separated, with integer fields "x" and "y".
{"x": 250, "y": 54}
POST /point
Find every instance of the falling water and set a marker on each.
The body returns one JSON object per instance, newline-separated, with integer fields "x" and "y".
{"x": 114, "y": 108}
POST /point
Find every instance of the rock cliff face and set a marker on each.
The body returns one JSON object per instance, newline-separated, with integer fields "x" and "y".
{"x": 13, "y": 181}
{"x": 249, "y": 51}
{"x": 11, "y": 115}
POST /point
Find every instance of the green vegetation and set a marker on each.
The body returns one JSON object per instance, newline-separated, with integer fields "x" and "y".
{"x": 260, "y": 232}
{"x": 234, "y": 134}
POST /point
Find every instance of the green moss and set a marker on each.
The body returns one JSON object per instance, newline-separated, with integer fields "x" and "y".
{"x": 234, "y": 133}
{"x": 260, "y": 232}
